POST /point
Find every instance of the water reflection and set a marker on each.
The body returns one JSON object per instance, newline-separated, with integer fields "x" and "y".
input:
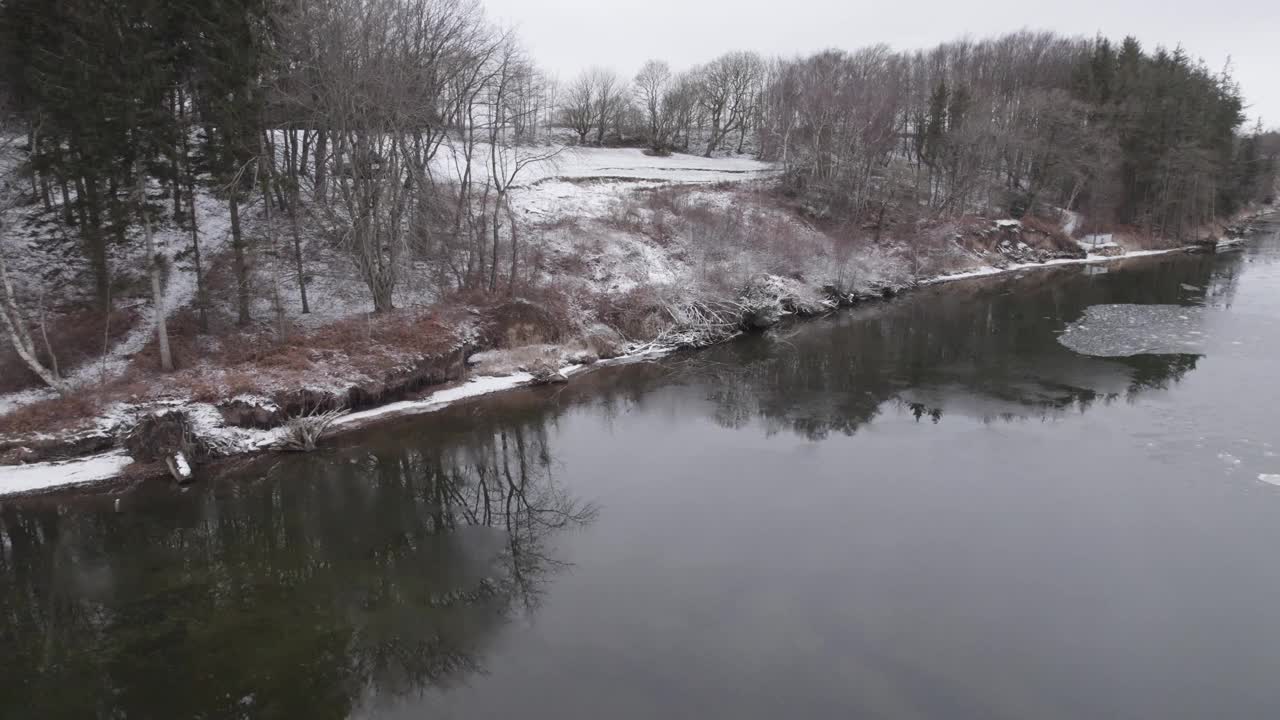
{"x": 321, "y": 586}
{"x": 379, "y": 570}
{"x": 986, "y": 350}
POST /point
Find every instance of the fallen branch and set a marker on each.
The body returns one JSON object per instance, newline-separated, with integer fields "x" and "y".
{"x": 301, "y": 433}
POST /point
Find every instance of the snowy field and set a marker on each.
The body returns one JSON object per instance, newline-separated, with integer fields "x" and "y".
{"x": 633, "y": 164}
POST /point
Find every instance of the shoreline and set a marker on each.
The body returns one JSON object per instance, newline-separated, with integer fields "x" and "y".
{"x": 54, "y": 476}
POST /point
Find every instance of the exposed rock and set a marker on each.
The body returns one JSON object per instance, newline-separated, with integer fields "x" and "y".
{"x": 545, "y": 373}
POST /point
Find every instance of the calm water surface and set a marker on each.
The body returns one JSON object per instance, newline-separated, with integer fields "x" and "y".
{"x": 929, "y": 508}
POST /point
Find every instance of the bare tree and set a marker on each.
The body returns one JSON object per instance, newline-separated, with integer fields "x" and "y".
{"x": 728, "y": 90}
{"x": 578, "y": 105}
{"x": 507, "y": 113}
{"x": 681, "y": 103}
{"x": 653, "y": 88}
{"x": 155, "y": 266}
{"x": 393, "y": 76}
{"x": 11, "y": 313}
{"x": 610, "y": 97}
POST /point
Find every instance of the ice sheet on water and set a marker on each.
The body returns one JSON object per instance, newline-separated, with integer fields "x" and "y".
{"x": 1125, "y": 330}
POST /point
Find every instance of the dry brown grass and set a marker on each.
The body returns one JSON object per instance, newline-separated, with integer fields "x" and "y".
{"x": 1131, "y": 237}
{"x": 76, "y": 336}
{"x": 638, "y": 314}
{"x": 62, "y": 413}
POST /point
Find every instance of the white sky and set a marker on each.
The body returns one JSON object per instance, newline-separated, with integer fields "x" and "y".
{"x": 568, "y": 35}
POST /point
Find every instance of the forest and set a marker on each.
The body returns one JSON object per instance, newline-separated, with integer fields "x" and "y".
{"x": 240, "y": 142}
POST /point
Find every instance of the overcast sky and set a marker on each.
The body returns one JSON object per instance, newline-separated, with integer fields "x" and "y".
{"x": 568, "y": 35}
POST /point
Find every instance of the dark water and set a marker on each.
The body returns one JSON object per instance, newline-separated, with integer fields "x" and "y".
{"x": 926, "y": 509}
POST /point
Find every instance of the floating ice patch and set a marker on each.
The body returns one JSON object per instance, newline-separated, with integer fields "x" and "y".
{"x": 1125, "y": 330}
{"x": 1269, "y": 479}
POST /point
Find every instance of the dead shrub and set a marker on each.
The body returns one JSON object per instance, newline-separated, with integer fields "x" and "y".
{"x": 159, "y": 435}
{"x": 301, "y": 433}
{"x": 627, "y": 216}
{"x": 638, "y": 314}
{"x": 564, "y": 223}
{"x": 671, "y": 199}
{"x": 61, "y": 413}
{"x": 1135, "y": 238}
{"x": 77, "y": 337}
{"x": 521, "y": 323}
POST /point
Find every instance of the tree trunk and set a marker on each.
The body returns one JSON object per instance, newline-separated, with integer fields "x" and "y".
{"x": 157, "y": 289}
{"x": 267, "y": 170}
{"x": 19, "y": 338}
{"x": 202, "y": 295}
{"x": 178, "y": 148}
{"x": 321, "y": 161}
{"x": 297, "y": 250}
{"x": 511, "y": 218}
{"x": 68, "y": 215}
{"x": 497, "y": 223}
{"x": 91, "y": 231}
{"x": 241, "y": 266}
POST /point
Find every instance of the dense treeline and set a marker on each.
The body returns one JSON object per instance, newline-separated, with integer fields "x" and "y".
{"x": 1024, "y": 122}
{"x": 1014, "y": 123}
{"x": 392, "y": 131}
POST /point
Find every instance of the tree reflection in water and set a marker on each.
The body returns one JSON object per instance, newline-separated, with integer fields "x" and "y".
{"x": 309, "y": 586}
{"x": 379, "y": 570}
{"x": 985, "y": 349}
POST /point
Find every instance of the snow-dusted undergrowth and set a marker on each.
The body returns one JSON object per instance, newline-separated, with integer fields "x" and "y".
{"x": 695, "y": 232}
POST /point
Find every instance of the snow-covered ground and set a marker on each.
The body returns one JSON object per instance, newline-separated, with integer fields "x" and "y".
{"x": 1018, "y": 267}
{"x": 605, "y": 221}
{"x": 43, "y": 476}
{"x": 36, "y": 252}
{"x": 35, "y": 477}
{"x": 633, "y": 164}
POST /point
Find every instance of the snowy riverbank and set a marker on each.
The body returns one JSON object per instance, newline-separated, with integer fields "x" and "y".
{"x": 105, "y": 467}
{"x": 628, "y": 256}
